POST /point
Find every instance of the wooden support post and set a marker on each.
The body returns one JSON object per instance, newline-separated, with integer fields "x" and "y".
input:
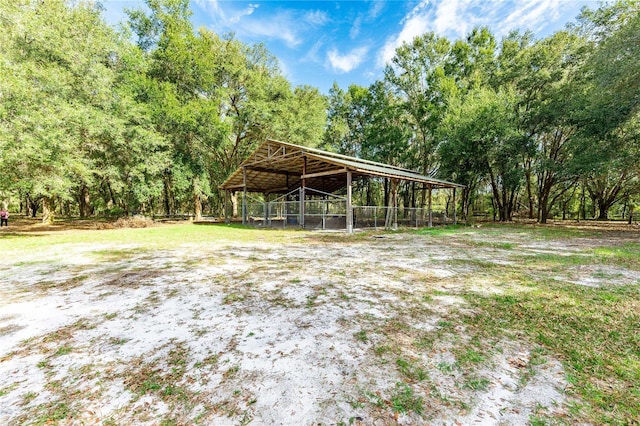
{"x": 302, "y": 191}
{"x": 244, "y": 196}
{"x": 430, "y": 190}
{"x": 454, "y": 206}
{"x": 394, "y": 198}
{"x": 349, "y": 206}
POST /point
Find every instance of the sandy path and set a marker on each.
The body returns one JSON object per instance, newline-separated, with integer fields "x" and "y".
{"x": 320, "y": 332}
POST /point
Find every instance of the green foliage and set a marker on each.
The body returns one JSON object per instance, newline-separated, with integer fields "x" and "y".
{"x": 155, "y": 117}
{"x": 154, "y": 126}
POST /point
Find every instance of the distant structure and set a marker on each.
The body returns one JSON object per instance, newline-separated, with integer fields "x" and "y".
{"x": 312, "y": 188}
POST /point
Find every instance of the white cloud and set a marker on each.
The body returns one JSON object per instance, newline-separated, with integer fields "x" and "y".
{"x": 246, "y": 12}
{"x": 285, "y": 25}
{"x": 313, "y": 53}
{"x": 279, "y": 27}
{"x": 531, "y": 14}
{"x": 348, "y": 62}
{"x": 355, "y": 28}
{"x": 450, "y": 18}
{"x": 212, "y": 7}
{"x": 316, "y": 17}
{"x": 376, "y": 8}
{"x": 417, "y": 22}
{"x": 454, "y": 19}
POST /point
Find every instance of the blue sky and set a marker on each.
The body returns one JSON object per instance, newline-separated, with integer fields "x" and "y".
{"x": 349, "y": 42}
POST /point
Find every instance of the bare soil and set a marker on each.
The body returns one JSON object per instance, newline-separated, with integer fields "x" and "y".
{"x": 327, "y": 329}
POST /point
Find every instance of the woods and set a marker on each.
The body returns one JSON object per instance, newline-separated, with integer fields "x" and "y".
{"x": 153, "y": 116}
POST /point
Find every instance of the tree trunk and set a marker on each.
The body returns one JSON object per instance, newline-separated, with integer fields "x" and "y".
{"x": 47, "y": 210}
{"x": 583, "y": 205}
{"x": 167, "y": 196}
{"x": 530, "y": 194}
{"x": 84, "y": 205}
{"x": 603, "y": 211}
{"x": 32, "y": 206}
{"x": 466, "y": 196}
{"x": 197, "y": 201}
{"x": 197, "y": 198}
{"x": 630, "y": 221}
{"x": 234, "y": 204}
{"x": 543, "y": 209}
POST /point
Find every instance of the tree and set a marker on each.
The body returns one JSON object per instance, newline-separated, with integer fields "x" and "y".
{"x": 418, "y": 75}
{"x": 541, "y": 74}
{"x": 58, "y": 101}
{"x": 481, "y": 141}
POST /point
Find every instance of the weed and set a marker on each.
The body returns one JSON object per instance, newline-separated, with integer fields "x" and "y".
{"x": 5, "y": 390}
{"x": 445, "y": 367}
{"x": 311, "y": 299}
{"x": 231, "y": 372}
{"x": 232, "y": 297}
{"x": 469, "y": 356}
{"x": 382, "y": 349}
{"x": 476, "y": 383}
{"x": 28, "y": 397}
{"x": 63, "y": 350}
{"x": 412, "y": 371}
{"x": 425, "y": 341}
{"x": 361, "y": 336}
{"x": 404, "y": 400}
{"x": 44, "y": 364}
{"x": 374, "y": 398}
{"x": 118, "y": 340}
{"x": 444, "y": 324}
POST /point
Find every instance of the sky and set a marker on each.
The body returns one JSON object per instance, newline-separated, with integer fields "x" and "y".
{"x": 318, "y": 43}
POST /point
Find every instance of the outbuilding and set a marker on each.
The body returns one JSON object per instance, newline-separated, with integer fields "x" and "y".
{"x": 312, "y": 188}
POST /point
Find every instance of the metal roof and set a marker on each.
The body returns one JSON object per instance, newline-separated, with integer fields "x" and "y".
{"x": 277, "y": 167}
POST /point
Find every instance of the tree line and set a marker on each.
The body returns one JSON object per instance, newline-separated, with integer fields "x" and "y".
{"x": 154, "y": 115}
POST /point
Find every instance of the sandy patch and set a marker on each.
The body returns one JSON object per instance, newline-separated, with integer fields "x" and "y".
{"x": 288, "y": 334}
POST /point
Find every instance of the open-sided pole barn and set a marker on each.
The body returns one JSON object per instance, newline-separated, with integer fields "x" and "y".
{"x": 296, "y": 175}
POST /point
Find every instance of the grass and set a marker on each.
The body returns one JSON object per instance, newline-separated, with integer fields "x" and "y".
{"x": 404, "y": 400}
{"x": 626, "y": 255}
{"x": 411, "y": 371}
{"x": 158, "y": 237}
{"x": 593, "y": 331}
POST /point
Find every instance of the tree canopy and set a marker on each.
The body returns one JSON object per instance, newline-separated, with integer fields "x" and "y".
{"x": 153, "y": 116}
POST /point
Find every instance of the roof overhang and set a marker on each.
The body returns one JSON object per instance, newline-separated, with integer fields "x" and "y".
{"x": 280, "y": 167}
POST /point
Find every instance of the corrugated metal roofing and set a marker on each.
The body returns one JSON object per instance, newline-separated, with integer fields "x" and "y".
{"x": 277, "y": 167}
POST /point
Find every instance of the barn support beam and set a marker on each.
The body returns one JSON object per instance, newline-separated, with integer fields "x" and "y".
{"x": 244, "y": 195}
{"x": 394, "y": 197}
{"x": 454, "y": 206}
{"x": 429, "y": 194}
{"x": 302, "y": 191}
{"x": 349, "y": 205}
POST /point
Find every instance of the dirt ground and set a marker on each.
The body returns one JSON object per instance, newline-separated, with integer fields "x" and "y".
{"x": 318, "y": 330}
